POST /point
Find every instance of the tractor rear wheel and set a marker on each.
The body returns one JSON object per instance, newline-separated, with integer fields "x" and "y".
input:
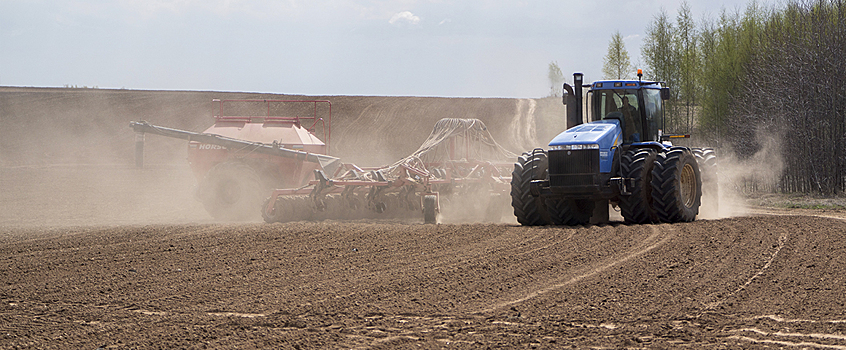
{"x": 676, "y": 186}
{"x": 637, "y": 208}
{"x": 706, "y": 158}
{"x": 570, "y": 212}
{"x": 529, "y": 208}
{"x": 232, "y": 191}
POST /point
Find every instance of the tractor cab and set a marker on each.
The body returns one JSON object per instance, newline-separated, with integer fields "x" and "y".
{"x": 637, "y": 105}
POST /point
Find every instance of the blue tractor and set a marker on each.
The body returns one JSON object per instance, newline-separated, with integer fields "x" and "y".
{"x": 615, "y": 154}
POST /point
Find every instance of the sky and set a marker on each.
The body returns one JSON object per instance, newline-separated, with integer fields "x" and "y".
{"x": 451, "y": 48}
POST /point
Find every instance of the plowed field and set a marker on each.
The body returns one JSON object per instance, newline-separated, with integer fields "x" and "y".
{"x": 96, "y": 254}
{"x": 743, "y": 282}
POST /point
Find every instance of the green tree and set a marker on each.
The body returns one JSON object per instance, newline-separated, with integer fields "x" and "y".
{"x": 657, "y": 50}
{"x": 687, "y": 59}
{"x": 661, "y": 61}
{"x": 712, "y": 89}
{"x": 556, "y": 78}
{"x": 617, "y": 63}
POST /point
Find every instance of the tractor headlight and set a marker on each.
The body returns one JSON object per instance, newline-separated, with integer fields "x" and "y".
{"x": 574, "y": 147}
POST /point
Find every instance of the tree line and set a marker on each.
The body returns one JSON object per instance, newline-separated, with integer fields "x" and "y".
{"x": 760, "y": 78}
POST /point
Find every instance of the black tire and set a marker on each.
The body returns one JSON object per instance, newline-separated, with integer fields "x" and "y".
{"x": 637, "y": 208}
{"x": 430, "y": 215}
{"x": 707, "y": 160}
{"x": 232, "y": 191}
{"x": 676, "y": 186}
{"x": 570, "y": 212}
{"x": 529, "y": 209}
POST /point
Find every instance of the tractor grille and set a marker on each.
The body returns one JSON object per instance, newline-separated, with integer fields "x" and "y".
{"x": 574, "y": 162}
{"x": 574, "y": 168}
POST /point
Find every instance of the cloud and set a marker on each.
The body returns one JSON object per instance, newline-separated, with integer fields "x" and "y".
{"x": 633, "y": 36}
{"x": 404, "y": 17}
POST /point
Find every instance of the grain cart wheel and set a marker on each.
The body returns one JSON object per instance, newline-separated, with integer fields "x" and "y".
{"x": 430, "y": 213}
{"x": 676, "y": 185}
{"x": 570, "y": 212}
{"x": 637, "y": 208}
{"x": 529, "y": 208}
{"x": 706, "y": 158}
{"x": 232, "y": 191}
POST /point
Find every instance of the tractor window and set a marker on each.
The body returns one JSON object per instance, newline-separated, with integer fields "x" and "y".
{"x": 654, "y": 113}
{"x": 620, "y": 104}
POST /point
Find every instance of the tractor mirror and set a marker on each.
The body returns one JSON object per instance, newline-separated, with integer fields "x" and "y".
{"x": 665, "y": 93}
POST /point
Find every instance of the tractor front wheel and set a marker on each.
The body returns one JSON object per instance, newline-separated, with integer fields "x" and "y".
{"x": 529, "y": 208}
{"x": 637, "y": 207}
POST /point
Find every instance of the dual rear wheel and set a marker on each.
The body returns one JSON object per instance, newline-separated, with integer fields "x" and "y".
{"x": 667, "y": 186}
{"x": 676, "y": 185}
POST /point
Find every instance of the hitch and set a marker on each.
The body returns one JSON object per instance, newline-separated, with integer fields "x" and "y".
{"x": 623, "y": 184}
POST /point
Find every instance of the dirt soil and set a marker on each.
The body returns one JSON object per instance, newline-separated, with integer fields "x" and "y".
{"x": 757, "y": 281}
{"x": 97, "y": 254}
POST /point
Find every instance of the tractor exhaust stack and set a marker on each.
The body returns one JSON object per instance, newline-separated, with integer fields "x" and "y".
{"x": 573, "y": 100}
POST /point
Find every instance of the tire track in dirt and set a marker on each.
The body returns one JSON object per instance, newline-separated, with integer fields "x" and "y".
{"x": 782, "y": 240}
{"x": 501, "y": 243}
{"x": 654, "y": 240}
{"x": 838, "y": 215}
{"x": 772, "y": 329}
{"x": 802, "y": 344}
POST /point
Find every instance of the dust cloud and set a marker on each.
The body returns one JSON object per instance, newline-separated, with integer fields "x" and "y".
{"x": 524, "y": 125}
{"x": 737, "y": 178}
{"x": 67, "y": 155}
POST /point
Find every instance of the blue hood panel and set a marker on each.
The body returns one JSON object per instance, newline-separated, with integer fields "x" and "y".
{"x": 606, "y": 133}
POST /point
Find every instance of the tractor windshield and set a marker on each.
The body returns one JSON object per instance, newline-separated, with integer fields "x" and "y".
{"x": 620, "y": 104}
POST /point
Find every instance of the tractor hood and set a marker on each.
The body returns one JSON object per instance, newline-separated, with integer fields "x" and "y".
{"x": 605, "y": 133}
